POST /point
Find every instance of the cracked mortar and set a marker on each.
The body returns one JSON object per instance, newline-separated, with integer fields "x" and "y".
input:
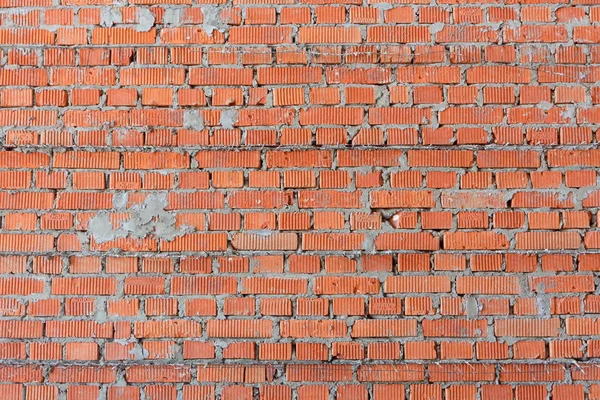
{"x": 146, "y": 218}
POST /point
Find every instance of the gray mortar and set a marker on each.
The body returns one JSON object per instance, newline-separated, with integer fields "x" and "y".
{"x": 437, "y": 27}
{"x": 147, "y": 218}
{"x": 382, "y": 6}
{"x": 172, "y": 17}
{"x": 542, "y": 301}
{"x": 569, "y": 112}
{"x": 101, "y": 229}
{"x": 579, "y": 194}
{"x": 545, "y": 105}
{"x": 228, "y": 118}
{"x": 192, "y": 119}
{"x": 100, "y": 316}
{"x": 110, "y": 16}
{"x": 138, "y": 352}
{"x": 145, "y": 19}
{"x": 120, "y": 200}
{"x": 513, "y": 24}
{"x": 212, "y": 21}
{"x": 471, "y": 307}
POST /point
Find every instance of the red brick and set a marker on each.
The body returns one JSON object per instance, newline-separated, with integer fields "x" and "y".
{"x": 424, "y": 150}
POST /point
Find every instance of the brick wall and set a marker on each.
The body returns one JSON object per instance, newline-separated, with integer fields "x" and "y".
{"x": 299, "y": 200}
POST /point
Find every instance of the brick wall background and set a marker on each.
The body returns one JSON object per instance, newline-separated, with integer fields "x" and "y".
{"x": 299, "y": 200}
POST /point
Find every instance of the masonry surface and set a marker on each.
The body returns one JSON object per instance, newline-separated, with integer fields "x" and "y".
{"x": 299, "y": 199}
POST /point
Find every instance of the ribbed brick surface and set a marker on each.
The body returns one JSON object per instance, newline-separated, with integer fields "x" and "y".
{"x": 299, "y": 199}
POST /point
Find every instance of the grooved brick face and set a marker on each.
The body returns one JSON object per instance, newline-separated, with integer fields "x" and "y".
{"x": 299, "y": 200}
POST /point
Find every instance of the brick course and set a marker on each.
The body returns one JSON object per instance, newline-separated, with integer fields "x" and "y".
{"x": 299, "y": 200}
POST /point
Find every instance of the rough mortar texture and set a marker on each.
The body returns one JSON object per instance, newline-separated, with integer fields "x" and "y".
{"x": 299, "y": 200}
